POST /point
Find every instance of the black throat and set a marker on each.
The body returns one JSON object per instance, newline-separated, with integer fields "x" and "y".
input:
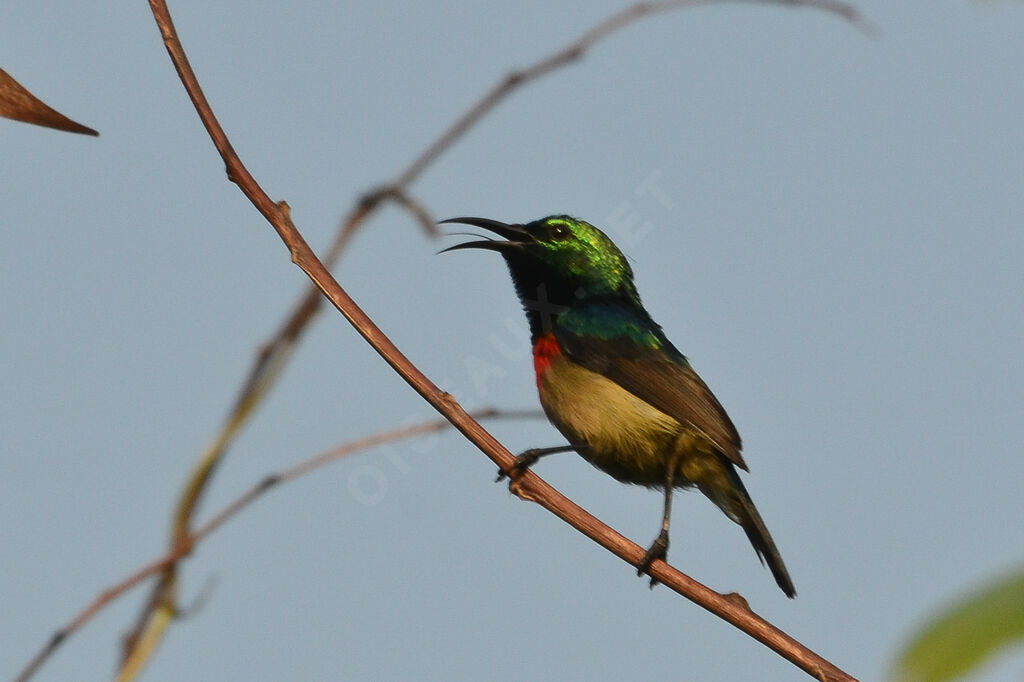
{"x": 544, "y": 295}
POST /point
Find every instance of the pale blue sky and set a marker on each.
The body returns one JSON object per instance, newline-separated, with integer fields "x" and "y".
{"x": 835, "y": 241}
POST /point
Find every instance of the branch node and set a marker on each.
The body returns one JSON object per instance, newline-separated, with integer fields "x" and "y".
{"x": 57, "y": 638}
{"x": 232, "y": 173}
{"x": 369, "y": 200}
{"x": 268, "y": 482}
{"x": 737, "y": 599}
{"x": 185, "y": 546}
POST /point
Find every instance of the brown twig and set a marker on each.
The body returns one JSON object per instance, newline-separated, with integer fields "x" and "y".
{"x": 527, "y": 485}
{"x": 574, "y": 51}
{"x": 189, "y": 542}
{"x": 275, "y": 353}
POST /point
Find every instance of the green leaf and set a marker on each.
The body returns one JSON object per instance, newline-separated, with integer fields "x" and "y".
{"x": 966, "y": 634}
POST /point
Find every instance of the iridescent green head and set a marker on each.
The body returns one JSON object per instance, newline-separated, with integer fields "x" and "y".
{"x": 558, "y": 263}
{"x": 567, "y": 255}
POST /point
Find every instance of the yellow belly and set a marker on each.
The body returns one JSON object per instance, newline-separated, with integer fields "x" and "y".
{"x": 613, "y": 429}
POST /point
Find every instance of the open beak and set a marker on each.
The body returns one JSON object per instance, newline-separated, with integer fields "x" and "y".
{"x": 514, "y": 234}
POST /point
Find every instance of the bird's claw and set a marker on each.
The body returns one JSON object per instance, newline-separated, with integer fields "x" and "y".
{"x": 657, "y": 550}
{"x": 524, "y": 460}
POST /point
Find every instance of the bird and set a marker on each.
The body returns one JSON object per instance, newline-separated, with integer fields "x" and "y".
{"x": 626, "y": 400}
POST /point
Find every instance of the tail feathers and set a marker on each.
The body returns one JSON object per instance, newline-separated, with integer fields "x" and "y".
{"x": 766, "y": 550}
{"x": 743, "y": 512}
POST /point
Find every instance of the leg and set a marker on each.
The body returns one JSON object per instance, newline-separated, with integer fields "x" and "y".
{"x": 527, "y": 458}
{"x": 659, "y": 549}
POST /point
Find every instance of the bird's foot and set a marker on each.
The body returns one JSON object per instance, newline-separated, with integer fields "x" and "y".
{"x": 524, "y": 460}
{"x": 658, "y": 550}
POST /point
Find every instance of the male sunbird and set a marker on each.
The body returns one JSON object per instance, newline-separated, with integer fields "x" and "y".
{"x": 626, "y": 400}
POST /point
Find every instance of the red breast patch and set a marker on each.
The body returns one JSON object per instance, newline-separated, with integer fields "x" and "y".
{"x": 544, "y": 351}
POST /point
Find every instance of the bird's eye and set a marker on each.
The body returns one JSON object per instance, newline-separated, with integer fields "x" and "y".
{"x": 560, "y": 232}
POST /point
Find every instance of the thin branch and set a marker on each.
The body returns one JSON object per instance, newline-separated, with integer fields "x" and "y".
{"x": 190, "y": 541}
{"x": 575, "y": 51}
{"x": 527, "y": 485}
{"x": 276, "y": 352}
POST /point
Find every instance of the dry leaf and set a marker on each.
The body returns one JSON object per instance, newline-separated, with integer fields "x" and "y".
{"x": 18, "y": 103}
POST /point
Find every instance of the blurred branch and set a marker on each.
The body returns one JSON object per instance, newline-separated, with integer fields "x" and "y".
{"x": 575, "y": 50}
{"x": 161, "y": 606}
{"x": 527, "y": 485}
{"x": 189, "y": 542}
{"x": 274, "y": 354}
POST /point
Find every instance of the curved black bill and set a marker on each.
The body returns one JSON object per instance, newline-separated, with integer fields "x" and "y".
{"x": 515, "y": 234}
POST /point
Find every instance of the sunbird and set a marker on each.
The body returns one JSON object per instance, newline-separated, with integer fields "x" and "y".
{"x": 611, "y": 382}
